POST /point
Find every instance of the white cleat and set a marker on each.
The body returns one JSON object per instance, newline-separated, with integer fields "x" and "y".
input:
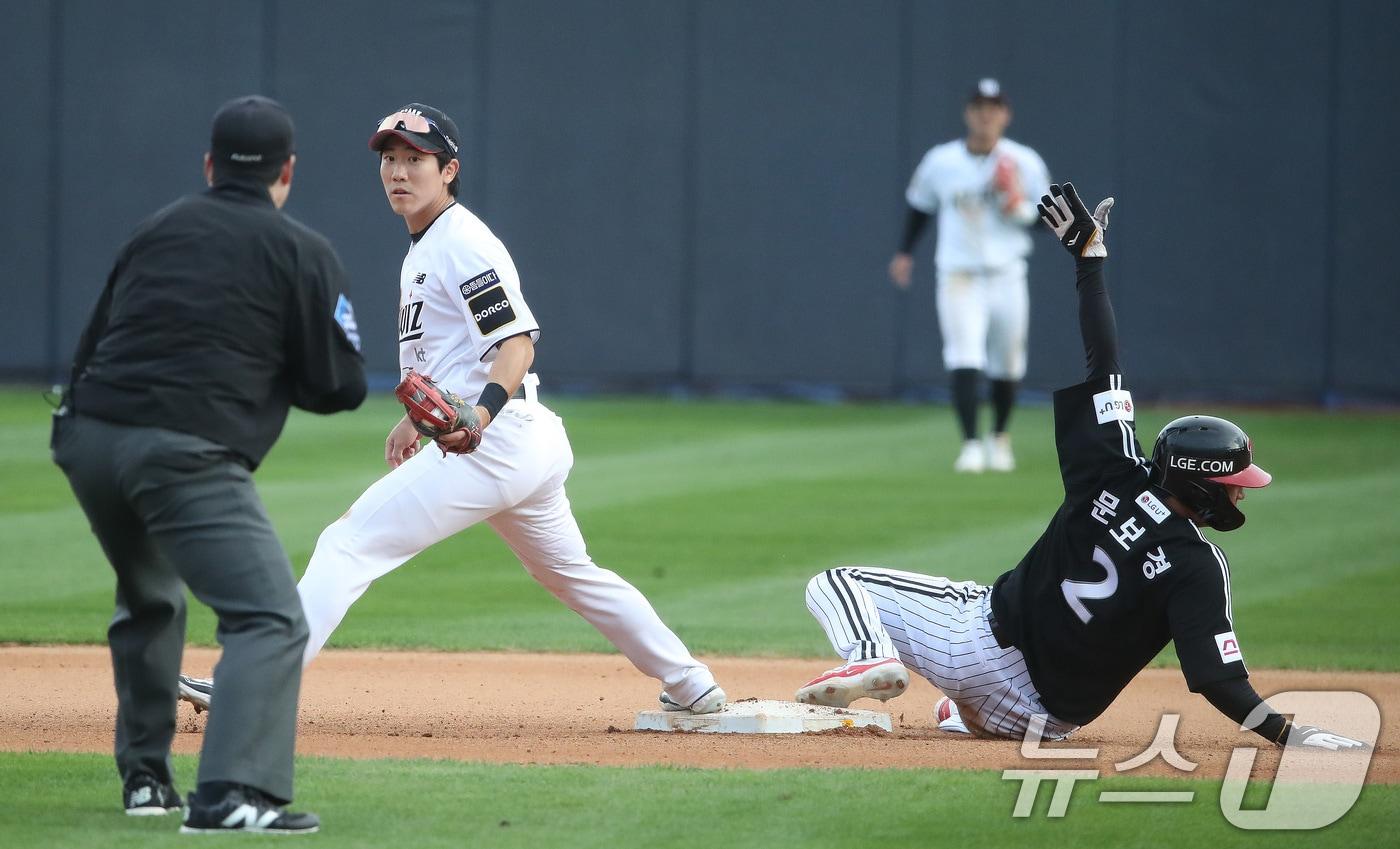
{"x": 197, "y": 691}
{"x": 972, "y": 460}
{"x": 710, "y": 701}
{"x": 880, "y": 678}
{"x": 946, "y": 712}
{"x": 999, "y": 456}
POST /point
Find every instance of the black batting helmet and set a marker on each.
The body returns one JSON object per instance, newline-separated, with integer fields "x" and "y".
{"x": 1196, "y": 456}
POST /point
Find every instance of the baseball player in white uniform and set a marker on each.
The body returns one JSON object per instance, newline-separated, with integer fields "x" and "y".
{"x": 982, "y": 188}
{"x": 463, "y": 320}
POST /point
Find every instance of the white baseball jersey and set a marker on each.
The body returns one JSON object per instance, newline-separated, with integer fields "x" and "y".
{"x": 459, "y": 297}
{"x": 973, "y": 231}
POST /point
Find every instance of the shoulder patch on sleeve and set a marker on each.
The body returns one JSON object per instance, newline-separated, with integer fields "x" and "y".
{"x": 1153, "y": 507}
{"x": 491, "y": 310}
{"x": 1229, "y": 647}
{"x": 484, "y": 280}
{"x": 1113, "y": 405}
{"x": 345, "y": 317}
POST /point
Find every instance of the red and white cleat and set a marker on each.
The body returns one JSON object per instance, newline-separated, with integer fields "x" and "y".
{"x": 881, "y": 678}
{"x": 946, "y": 712}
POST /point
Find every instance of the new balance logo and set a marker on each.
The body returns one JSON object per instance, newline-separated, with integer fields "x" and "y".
{"x": 246, "y": 816}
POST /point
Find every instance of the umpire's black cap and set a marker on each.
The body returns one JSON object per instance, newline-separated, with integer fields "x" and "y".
{"x": 425, "y": 128}
{"x": 250, "y": 131}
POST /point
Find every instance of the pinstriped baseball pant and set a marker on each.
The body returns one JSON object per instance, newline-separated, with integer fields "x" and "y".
{"x": 937, "y": 628}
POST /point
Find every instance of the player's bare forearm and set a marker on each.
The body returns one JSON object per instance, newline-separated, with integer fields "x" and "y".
{"x": 513, "y": 359}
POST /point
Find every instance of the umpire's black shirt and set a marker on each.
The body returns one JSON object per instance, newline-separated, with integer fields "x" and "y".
{"x": 220, "y": 313}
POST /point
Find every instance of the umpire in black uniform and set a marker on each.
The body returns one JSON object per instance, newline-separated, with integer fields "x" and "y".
{"x": 219, "y": 314}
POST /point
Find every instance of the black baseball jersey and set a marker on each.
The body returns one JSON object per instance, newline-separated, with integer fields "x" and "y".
{"x": 1116, "y": 574}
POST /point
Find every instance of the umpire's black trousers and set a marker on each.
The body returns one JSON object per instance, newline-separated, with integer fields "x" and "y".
{"x": 170, "y": 510}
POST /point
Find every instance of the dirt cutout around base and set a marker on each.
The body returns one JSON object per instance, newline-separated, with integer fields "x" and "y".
{"x": 578, "y": 709}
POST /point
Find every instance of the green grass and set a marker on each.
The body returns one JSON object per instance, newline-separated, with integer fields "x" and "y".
{"x": 62, "y": 800}
{"x": 720, "y": 512}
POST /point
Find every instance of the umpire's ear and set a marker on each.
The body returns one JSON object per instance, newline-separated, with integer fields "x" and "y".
{"x": 208, "y": 168}
{"x": 284, "y": 177}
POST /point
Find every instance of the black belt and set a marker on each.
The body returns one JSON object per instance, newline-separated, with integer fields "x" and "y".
{"x": 997, "y": 633}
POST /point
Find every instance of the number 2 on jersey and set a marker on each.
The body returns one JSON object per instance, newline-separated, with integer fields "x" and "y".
{"x": 1077, "y": 591}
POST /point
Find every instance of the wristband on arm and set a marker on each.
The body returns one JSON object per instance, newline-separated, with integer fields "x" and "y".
{"x": 493, "y": 398}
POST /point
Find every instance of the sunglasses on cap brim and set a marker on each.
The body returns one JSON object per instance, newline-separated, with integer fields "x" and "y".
{"x": 411, "y": 122}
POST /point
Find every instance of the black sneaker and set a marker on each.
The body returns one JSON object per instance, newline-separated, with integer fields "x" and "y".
{"x": 245, "y": 810}
{"x": 146, "y": 797}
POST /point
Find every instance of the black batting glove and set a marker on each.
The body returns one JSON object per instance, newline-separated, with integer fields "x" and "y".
{"x": 1065, "y": 214}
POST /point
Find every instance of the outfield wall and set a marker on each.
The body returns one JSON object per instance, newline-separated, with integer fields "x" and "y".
{"x": 707, "y": 191}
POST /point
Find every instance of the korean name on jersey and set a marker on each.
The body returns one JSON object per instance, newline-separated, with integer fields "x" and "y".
{"x": 1116, "y": 575}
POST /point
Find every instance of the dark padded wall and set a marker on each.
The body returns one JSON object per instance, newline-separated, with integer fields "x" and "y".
{"x": 28, "y": 278}
{"x": 794, "y": 143}
{"x": 1364, "y": 304}
{"x": 585, "y": 178}
{"x": 708, "y": 191}
{"x": 1225, "y": 160}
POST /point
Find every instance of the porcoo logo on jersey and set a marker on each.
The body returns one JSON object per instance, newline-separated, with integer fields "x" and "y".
{"x": 491, "y": 310}
{"x": 499, "y": 306}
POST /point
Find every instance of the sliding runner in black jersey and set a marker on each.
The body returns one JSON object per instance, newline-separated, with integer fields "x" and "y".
{"x": 1121, "y": 570}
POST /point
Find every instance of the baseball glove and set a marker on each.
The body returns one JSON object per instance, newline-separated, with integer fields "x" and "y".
{"x": 1007, "y": 183}
{"x": 436, "y": 412}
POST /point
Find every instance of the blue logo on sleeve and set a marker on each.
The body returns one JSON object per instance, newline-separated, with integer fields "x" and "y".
{"x": 345, "y": 317}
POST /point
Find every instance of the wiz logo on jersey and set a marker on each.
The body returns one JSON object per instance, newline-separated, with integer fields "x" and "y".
{"x": 411, "y": 321}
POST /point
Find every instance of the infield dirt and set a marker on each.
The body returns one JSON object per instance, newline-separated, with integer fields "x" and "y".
{"x": 579, "y": 709}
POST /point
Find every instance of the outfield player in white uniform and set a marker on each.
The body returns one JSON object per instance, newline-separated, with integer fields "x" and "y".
{"x": 982, "y": 188}
{"x": 1121, "y": 570}
{"x": 464, "y": 321}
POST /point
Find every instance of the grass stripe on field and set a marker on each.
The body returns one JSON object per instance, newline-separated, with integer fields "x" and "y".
{"x": 721, "y": 511}
{"x": 61, "y": 800}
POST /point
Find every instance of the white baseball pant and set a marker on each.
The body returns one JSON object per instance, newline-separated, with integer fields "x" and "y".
{"x": 984, "y": 316}
{"x": 938, "y": 628}
{"x": 515, "y": 483}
